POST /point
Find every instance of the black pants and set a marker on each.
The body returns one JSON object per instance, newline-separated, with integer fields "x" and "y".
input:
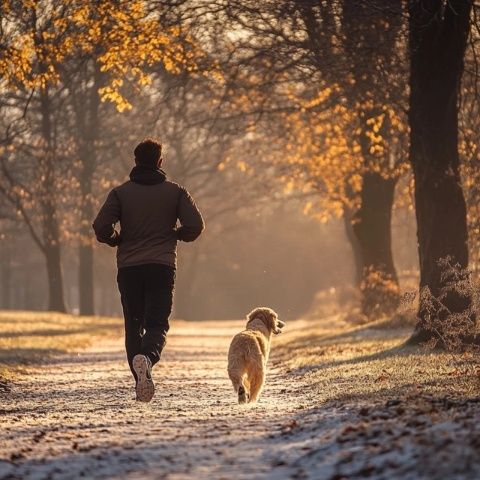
{"x": 147, "y": 295}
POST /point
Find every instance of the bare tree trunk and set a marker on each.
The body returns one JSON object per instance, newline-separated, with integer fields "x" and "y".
{"x": 51, "y": 231}
{"x": 55, "y": 279}
{"x": 6, "y": 274}
{"x": 355, "y": 246}
{"x": 85, "y": 279}
{"x": 87, "y": 119}
{"x": 372, "y": 228}
{"x": 85, "y": 249}
{"x": 372, "y": 31}
{"x": 52, "y": 253}
{"x": 437, "y": 46}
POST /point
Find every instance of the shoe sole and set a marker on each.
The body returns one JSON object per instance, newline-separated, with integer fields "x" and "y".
{"x": 145, "y": 386}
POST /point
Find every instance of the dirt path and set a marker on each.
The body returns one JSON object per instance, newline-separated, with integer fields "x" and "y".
{"x": 75, "y": 417}
{"x": 340, "y": 403}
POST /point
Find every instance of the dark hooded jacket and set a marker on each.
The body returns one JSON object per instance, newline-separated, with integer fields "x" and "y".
{"x": 148, "y": 208}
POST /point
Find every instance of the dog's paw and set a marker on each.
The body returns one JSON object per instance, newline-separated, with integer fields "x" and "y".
{"x": 243, "y": 396}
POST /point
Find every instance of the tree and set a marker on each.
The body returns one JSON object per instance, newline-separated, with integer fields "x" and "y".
{"x": 47, "y": 49}
{"x": 371, "y": 32}
{"x": 27, "y": 66}
{"x": 437, "y": 41}
{"x": 203, "y": 144}
{"x": 469, "y": 142}
{"x": 297, "y": 51}
{"x": 85, "y": 98}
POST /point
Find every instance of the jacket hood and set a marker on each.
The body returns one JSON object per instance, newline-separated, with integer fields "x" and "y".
{"x": 147, "y": 175}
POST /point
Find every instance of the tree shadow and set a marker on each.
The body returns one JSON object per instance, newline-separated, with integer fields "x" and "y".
{"x": 401, "y": 350}
{"x": 51, "y": 332}
{"x": 355, "y": 335}
{"x": 26, "y": 356}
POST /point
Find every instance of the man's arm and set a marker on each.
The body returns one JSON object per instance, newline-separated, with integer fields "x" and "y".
{"x": 191, "y": 220}
{"x": 108, "y": 216}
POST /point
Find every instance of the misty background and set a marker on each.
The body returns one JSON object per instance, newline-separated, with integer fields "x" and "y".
{"x": 273, "y": 256}
{"x": 287, "y": 121}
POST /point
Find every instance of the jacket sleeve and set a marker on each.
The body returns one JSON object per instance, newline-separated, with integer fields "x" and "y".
{"x": 191, "y": 221}
{"x": 108, "y": 216}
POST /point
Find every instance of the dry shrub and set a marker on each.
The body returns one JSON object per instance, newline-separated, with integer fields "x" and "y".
{"x": 380, "y": 293}
{"x": 452, "y": 331}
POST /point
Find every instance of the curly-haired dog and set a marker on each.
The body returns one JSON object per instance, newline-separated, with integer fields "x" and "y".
{"x": 248, "y": 353}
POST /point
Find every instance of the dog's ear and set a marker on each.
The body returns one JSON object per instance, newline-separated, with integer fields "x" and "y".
{"x": 265, "y": 318}
{"x": 278, "y": 326}
{"x": 255, "y": 313}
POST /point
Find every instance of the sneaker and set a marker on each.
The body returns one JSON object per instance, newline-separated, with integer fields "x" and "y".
{"x": 145, "y": 387}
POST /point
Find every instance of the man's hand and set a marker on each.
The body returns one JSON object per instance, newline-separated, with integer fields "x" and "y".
{"x": 114, "y": 239}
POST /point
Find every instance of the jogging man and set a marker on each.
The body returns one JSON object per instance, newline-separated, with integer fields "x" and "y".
{"x": 148, "y": 207}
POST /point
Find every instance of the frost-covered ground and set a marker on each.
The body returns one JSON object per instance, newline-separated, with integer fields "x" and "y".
{"x": 340, "y": 402}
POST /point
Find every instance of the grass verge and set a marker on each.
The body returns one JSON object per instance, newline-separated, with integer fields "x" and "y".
{"x": 33, "y": 337}
{"x": 370, "y": 362}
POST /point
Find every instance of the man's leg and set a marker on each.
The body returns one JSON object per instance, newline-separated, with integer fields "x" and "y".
{"x": 159, "y": 286}
{"x": 131, "y": 286}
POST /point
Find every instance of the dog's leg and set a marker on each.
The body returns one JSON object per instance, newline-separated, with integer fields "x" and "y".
{"x": 242, "y": 395}
{"x": 257, "y": 380}
{"x": 239, "y": 386}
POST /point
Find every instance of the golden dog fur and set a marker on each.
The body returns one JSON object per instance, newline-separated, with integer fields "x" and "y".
{"x": 248, "y": 353}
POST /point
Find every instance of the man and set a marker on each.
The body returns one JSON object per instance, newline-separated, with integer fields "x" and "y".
{"x": 147, "y": 207}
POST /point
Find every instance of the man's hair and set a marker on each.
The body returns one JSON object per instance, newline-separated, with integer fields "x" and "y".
{"x": 148, "y": 152}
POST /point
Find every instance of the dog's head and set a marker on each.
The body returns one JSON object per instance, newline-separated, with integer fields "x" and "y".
{"x": 268, "y": 317}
